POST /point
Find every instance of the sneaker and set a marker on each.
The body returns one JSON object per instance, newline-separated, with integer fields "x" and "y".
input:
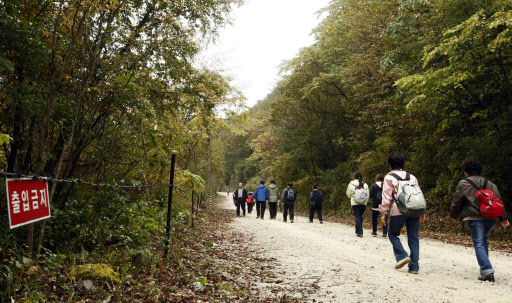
{"x": 374, "y": 234}
{"x": 261, "y": 218}
{"x": 360, "y": 236}
{"x": 402, "y": 263}
{"x": 321, "y": 222}
{"x": 384, "y": 236}
{"x": 285, "y": 220}
{"x": 291, "y": 221}
{"x": 488, "y": 277}
{"x": 415, "y": 272}
{"x": 310, "y": 221}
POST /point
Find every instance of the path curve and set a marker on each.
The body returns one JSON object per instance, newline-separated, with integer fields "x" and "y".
{"x": 345, "y": 268}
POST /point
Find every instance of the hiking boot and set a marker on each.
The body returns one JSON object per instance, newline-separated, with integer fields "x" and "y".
{"x": 402, "y": 263}
{"x": 321, "y": 222}
{"x": 262, "y": 218}
{"x": 360, "y": 236}
{"x": 488, "y": 277}
{"x": 414, "y": 272}
{"x": 291, "y": 221}
{"x": 374, "y": 234}
{"x": 384, "y": 236}
{"x": 285, "y": 220}
{"x": 310, "y": 221}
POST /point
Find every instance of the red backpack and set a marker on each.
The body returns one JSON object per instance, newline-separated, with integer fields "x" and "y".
{"x": 490, "y": 206}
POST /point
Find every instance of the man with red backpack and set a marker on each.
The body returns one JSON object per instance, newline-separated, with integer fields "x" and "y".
{"x": 478, "y": 202}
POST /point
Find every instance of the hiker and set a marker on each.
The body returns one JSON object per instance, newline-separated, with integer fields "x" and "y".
{"x": 261, "y": 197}
{"x": 228, "y": 192}
{"x": 466, "y": 206}
{"x": 393, "y": 204}
{"x": 376, "y": 195}
{"x": 316, "y": 197}
{"x": 289, "y": 197}
{"x": 273, "y": 198}
{"x": 241, "y": 198}
{"x": 357, "y": 191}
{"x": 250, "y": 202}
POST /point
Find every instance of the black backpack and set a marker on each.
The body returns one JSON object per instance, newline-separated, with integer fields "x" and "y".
{"x": 317, "y": 196}
{"x": 290, "y": 195}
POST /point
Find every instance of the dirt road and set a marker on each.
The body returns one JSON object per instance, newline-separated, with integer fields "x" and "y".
{"x": 328, "y": 263}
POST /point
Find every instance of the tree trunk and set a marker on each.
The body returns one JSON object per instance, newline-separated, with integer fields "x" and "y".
{"x": 208, "y": 178}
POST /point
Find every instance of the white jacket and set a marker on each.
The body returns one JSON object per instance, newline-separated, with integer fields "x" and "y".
{"x": 351, "y": 189}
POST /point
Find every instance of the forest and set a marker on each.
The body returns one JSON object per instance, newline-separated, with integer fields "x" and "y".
{"x": 430, "y": 79}
{"x": 106, "y": 91}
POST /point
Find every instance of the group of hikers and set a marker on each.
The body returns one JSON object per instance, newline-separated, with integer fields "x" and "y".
{"x": 273, "y": 196}
{"x": 398, "y": 200}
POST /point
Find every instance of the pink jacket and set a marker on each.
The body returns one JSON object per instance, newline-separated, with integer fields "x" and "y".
{"x": 390, "y": 187}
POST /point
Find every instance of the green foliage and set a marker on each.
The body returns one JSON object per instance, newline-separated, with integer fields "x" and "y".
{"x": 431, "y": 79}
{"x": 106, "y": 91}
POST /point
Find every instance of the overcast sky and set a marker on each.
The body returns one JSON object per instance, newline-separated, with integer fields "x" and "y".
{"x": 264, "y": 34}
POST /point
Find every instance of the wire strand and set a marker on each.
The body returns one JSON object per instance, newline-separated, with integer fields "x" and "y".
{"x": 82, "y": 182}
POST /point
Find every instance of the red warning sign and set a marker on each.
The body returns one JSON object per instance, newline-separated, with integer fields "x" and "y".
{"x": 27, "y": 201}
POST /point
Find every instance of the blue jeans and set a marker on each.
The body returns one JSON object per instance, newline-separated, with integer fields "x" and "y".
{"x": 412, "y": 224}
{"x": 358, "y": 214}
{"x": 480, "y": 230}
{"x": 375, "y": 222}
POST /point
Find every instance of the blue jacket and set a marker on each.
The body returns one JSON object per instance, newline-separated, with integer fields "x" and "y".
{"x": 261, "y": 193}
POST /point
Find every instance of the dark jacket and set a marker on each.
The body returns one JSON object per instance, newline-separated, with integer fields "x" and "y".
{"x": 261, "y": 193}
{"x": 465, "y": 204}
{"x": 376, "y": 194}
{"x": 312, "y": 197}
{"x": 284, "y": 197}
{"x": 244, "y": 195}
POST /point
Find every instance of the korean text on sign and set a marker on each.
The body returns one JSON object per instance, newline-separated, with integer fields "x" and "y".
{"x": 27, "y": 201}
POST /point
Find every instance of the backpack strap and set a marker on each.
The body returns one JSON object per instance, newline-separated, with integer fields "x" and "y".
{"x": 396, "y": 176}
{"x": 474, "y": 185}
{"x": 485, "y": 184}
{"x": 407, "y": 176}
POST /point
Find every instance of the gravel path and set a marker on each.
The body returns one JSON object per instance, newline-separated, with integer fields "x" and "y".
{"x": 328, "y": 263}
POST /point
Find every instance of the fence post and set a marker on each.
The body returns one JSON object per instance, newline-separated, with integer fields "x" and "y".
{"x": 169, "y": 206}
{"x": 197, "y": 204}
{"x": 192, "y": 213}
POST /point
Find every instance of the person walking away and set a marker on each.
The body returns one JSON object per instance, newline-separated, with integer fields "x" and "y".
{"x": 241, "y": 198}
{"x": 316, "y": 197}
{"x": 396, "y": 183}
{"x": 358, "y": 193}
{"x": 250, "y": 202}
{"x": 376, "y": 196}
{"x": 228, "y": 192}
{"x": 273, "y": 198}
{"x": 467, "y": 206}
{"x": 261, "y": 197}
{"x": 289, "y": 197}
